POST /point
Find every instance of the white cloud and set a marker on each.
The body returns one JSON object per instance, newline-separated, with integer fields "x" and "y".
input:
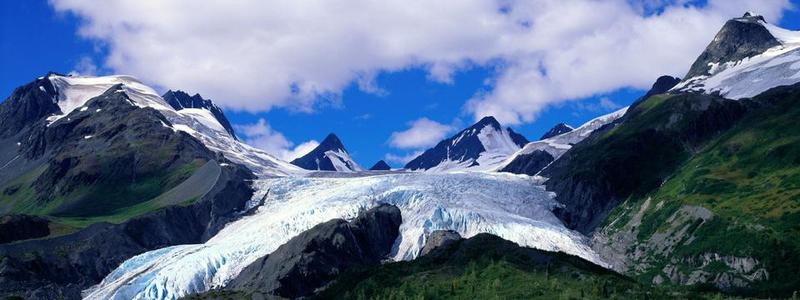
{"x": 84, "y": 67}
{"x": 256, "y": 55}
{"x": 421, "y": 133}
{"x": 401, "y": 159}
{"x": 262, "y": 136}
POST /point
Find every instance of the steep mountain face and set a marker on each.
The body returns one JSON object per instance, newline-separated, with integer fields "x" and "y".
{"x": 315, "y": 257}
{"x": 727, "y": 215}
{"x": 535, "y": 156}
{"x": 180, "y": 100}
{"x": 738, "y": 39}
{"x": 559, "y": 129}
{"x": 330, "y": 155}
{"x": 107, "y": 176}
{"x": 380, "y": 166}
{"x": 481, "y": 146}
{"x": 747, "y": 57}
{"x": 484, "y": 267}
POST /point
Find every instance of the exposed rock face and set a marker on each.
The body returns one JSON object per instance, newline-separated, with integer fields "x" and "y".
{"x": 314, "y": 258}
{"x": 560, "y": 128}
{"x": 738, "y": 39}
{"x": 530, "y": 163}
{"x": 22, "y": 227}
{"x": 439, "y": 238}
{"x": 662, "y": 85}
{"x": 181, "y": 100}
{"x": 27, "y": 105}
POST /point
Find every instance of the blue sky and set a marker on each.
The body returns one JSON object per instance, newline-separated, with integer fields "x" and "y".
{"x": 35, "y": 39}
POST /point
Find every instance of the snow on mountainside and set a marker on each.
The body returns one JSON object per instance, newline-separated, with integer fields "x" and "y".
{"x": 480, "y": 147}
{"x": 559, "y": 144}
{"x": 75, "y": 91}
{"x": 513, "y": 207}
{"x": 330, "y": 155}
{"x": 733, "y": 77}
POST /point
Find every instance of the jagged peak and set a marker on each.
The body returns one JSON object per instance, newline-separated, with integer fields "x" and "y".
{"x": 380, "y": 166}
{"x": 487, "y": 121}
{"x": 332, "y": 142}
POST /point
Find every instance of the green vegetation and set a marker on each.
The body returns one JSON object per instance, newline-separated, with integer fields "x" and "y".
{"x": 487, "y": 267}
{"x": 113, "y": 202}
{"x": 748, "y": 177}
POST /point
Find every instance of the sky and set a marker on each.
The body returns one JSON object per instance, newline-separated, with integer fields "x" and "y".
{"x": 390, "y": 78}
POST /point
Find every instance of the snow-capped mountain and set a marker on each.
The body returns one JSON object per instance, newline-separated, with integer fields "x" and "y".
{"x": 330, "y": 155}
{"x": 180, "y": 100}
{"x": 479, "y": 147}
{"x": 559, "y": 129}
{"x": 380, "y": 166}
{"x": 552, "y": 148}
{"x": 72, "y": 92}
{"x": 748, "y": 56}
{"x": 510, "y": 206}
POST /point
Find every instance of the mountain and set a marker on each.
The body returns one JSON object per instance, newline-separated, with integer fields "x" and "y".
{"x": 380, "y": 166}
{"x": 559, "y": 129}
{"x": 330, "y": 155}
{"x": 697, "y": 186}
{"x": 534, "y": 156}
{"x": 479, "y": 147}
{"x": 747, "y": 57}
{"x": 180, "y": 100}
{"x": 103, "y": 169}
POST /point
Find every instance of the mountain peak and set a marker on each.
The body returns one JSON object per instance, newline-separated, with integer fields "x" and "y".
{"x": 330, "y": 155}
{"x": 380, "y": 166}
{"x": 559, "y": 129}
{"x": 487, "y": 121}
{"x": 332, "y": 142}
{"x": 738, "y": 39}
{"x": 480, "y": 145}
{"x": 181, "y": 100}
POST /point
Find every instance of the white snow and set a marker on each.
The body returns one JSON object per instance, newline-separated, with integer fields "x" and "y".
{"x": 41, "y": 88}
{"x": 752, "y": 76}
{"x": 342, "y": 162}
{"x": 498, "y": 144}
{"x": 558, "y": 145}
{"x": 75, "y": 91}
{"x": 87, "y": 137}
{"x": 84, "y": 108}
{"x": 514, "y": 207}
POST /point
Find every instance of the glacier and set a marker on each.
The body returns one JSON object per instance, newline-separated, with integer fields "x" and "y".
{"x": 515, "y": 207}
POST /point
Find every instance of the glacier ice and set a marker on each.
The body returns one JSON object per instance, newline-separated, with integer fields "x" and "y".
{"x": 515, "y": 207}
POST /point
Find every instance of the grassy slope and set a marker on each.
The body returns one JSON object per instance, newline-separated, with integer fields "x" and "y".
{"x": 114, "y": 203}
{"x": 749, "y": 177}
{"x": 486, "y": 267}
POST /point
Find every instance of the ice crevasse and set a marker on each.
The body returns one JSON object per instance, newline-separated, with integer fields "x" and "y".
{"x": 511, "y": 206}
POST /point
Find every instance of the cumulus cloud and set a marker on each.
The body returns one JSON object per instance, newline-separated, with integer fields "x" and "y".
{"x": 256, "y": 55}
{"x": 262, "y": 136}
{"x": 421, "y": 133}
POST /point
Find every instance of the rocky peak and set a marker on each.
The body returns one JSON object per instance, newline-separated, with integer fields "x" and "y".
{"x": 738, "y": 39}
{"x": 380, "y": 166}
{"x": 181, "y": 100}
{"x": 560, "y": 128}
